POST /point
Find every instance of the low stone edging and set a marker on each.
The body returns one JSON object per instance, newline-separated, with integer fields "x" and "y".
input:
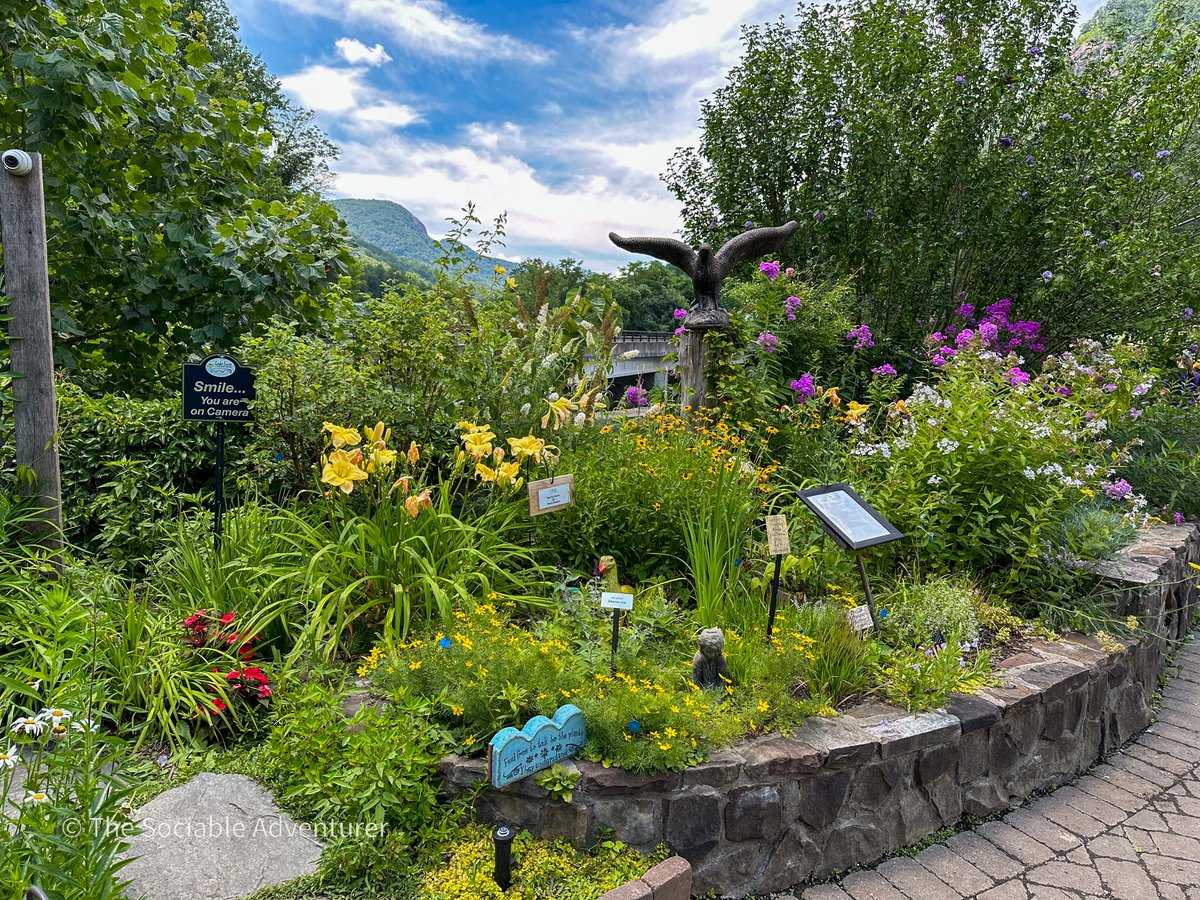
{"x": 774, "y": 811}
{"x": 669, "y": 880}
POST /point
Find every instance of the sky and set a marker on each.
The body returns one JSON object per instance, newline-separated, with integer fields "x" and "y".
{"x": 562, "y": 113}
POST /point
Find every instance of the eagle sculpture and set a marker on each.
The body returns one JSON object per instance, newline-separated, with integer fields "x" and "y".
{"x": 707, "y": 269}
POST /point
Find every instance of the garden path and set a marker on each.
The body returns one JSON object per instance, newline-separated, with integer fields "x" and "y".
{"x": 1130, "y": 829}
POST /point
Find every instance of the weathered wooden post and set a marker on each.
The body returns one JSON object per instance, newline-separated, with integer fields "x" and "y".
{"x": 707, "y": 270}
{"x": 27, "y": 285}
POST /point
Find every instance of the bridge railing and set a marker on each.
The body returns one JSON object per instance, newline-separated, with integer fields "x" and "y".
{"x": 645, "y": 337}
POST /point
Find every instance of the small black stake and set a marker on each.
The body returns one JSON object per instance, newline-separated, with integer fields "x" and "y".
{"x": 219, "y": 499}
{"x": 774, "y": 596}
{"x": 862, "y": 571}
{"x": 503, "y": 837}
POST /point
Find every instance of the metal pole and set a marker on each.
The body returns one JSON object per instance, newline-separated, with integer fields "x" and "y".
{"x": 219, "y": 499}
{"x": 27, "y": 284}
{"x": 862, "y": 571}
{"x": 774, "y": 596}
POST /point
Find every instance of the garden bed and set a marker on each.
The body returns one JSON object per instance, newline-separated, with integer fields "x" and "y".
{"x": 776, "y": 810}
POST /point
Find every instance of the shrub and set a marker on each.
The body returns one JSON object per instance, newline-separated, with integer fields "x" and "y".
{"x": 945, "y": 605}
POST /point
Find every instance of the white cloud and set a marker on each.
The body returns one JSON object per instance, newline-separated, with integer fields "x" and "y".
{"x": 387, "y": 114}
{"x": 354, "y": 52}
{"x": 426, "y": 27}
{"x": 491, "y": 137}
{"x": 325, "y": 88}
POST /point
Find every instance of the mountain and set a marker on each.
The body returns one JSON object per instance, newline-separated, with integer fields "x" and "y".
{"x": 1120, "y": 19}
{"x": 389, "y": 233}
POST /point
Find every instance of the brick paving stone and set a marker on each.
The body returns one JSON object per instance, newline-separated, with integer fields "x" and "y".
{"x": 1185, "y": 873}
{"x": 826, "y": 892}
{"x": 984, "y": 855}
{"x": 1159, "y": 760}
{"x": 870, "y": 885}
{"x": 1112, "y": 846}
{"x": 915, "y": 881}
{"x": 1016, "y": 843}
{"x": 1171, "y": 891}
{"x": 1009, "y": 890}
{"x": 1166, "y": 740}
{"x": 954, "y": 870}
{"x": 1070, "y": 876}
{"x": 1126, "y": 880}
{"x": 1126, "y": 781}
{"x": 1098, "y": 809}
{"x": 1147, "y": 820}
{"x": 1177, "y": 845}
{"x": 1050, "y": 833}
{"x": 1110, "y": 793}
{"x": 1161, "y": 778}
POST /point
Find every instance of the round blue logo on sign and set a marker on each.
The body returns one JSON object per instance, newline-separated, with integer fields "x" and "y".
{"x": 220, "y": 367}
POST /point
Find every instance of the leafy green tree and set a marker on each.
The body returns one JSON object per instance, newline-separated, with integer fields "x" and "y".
{"x": 950, "y": 151}
{"x": 165, "y": 236}
{"x": 649, "y": 293}
{"x": 551, "y": 284}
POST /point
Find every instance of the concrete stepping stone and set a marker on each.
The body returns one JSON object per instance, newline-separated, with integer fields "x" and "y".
{"x": 218, "y": 837}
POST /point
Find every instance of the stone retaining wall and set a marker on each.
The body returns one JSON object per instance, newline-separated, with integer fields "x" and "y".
{"x": 669, "y": 880}
{"x": 775, "y": 811}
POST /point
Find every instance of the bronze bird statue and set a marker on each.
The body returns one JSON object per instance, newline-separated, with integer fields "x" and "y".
{"x": 707, "y": 269}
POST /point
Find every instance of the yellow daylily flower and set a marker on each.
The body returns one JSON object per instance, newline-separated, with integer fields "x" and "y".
{"x": 478, "y": 443}
{"x": 378, "y": 436}
{"x": 485, "y": 473}
{"x": 831, "y": 394}
{"x": 417, "y": 502}
{"x": 855, "y": 411}
{"x": 500, "y": 270}
{"x": 414, "y": 453}
{"x": 528, "y": 447}
{"x": 383, "y": 458}
{"x": 341, "y": 472}
{"x": 508, "y": 473}
{"x": 511, "y": 284}
{"x": 342, "y": 437}
{"x": 560, "y": 410}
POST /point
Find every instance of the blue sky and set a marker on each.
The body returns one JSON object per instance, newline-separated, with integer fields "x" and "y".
{"x": 561, "y": 112}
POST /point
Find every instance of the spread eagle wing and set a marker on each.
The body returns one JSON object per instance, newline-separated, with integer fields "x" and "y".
{"x": 677, "y": 253}
{"x": 750, "y": 245}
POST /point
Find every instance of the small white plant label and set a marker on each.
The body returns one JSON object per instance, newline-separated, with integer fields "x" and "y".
{"x": 551, "y": 494}
{"x": 615, "y": 600}
{"x": 860, "y": 618}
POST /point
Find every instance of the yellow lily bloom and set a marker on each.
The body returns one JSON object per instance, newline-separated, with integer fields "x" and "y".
{"x": 508, "y": 473}
{"x": 341, "y": 472}
{"x": 478, "y": 443}
{"x": 414, "y": 453}
{"x": 378, "y": 436}
{"x": 485, "y": 473}
{"x": 383, "y": 457}
{"x": 500, "y": 270}
{"x": 831, "y": 394}
{"x": 417, "y": 502}
{"x": 511, "y": 283}
{"x": 528, "y": 447}
{"x": 855, "y": 411}
{"x": 560, "y": 410}
{"x": 342, "y": 437}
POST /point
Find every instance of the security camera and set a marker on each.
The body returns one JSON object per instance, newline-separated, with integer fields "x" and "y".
{"x": 16, "y": 162}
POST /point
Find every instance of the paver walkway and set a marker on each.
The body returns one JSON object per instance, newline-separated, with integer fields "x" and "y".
{"x": 1130, "y": 829}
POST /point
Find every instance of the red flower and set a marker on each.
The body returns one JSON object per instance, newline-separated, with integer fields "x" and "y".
{"x": 256, "y": 674}
{"x": 228, "y": 617}
{"x": 264, "y": 691}
{"x": 230, "y": 638}
{"x": 246, "y": 652}
{"x": 232, "y": 676}
{"x": 219, "y": 705}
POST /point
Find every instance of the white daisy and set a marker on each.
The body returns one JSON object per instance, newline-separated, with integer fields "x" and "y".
{"x": 37, "y": 797}
{"x": 9, "y": 758}
{"x": 55, "y": 716}
{"x": 28, "y": 725}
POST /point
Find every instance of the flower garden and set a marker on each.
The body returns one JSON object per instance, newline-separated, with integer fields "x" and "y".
{"x": 398, "y": 556}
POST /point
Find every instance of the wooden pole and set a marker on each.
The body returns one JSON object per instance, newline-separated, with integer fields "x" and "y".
{"x": 27, "y": 285}
{"x": 693, "y": 384}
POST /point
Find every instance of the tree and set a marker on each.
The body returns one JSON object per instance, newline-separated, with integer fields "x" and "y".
{"x": 548, "y": 283}
{"x": 951, "y": 151}
{"x": 649, "y": 293}
{"x": 164, "y": 236}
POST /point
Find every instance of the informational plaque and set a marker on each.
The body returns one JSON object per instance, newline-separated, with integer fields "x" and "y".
{"x": 848, "y": 518}
{"x": 779, "y": 543}
{"x": 551, "y": 494}
{"x": 515, "y": 754}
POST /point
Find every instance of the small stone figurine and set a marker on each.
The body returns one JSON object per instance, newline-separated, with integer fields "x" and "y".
{"x": 708, "y": 665}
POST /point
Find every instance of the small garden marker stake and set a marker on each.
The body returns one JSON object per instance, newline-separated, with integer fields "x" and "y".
{"x": 502, "y": 873}
{"x": 616, "y": 601}
{"x": 779, "y": 544}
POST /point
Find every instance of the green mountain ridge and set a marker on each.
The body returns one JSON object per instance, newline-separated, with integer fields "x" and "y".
{"x": 388, "y": 232}
{"x": 1130, "y": 19}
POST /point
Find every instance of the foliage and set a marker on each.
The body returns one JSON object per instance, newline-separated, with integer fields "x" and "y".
{"x": 936, "y": 152}
{"x": 153, "y": 170}
{"x": 943, "y": 605}
{"x": 559, "y": 782}
{"x": 648, "y": 293}
{"x": 542, "y": 869}
{"x": 920, "y": 678}
{"x": 715, "y": 531}
{"x": 68, "y": 831}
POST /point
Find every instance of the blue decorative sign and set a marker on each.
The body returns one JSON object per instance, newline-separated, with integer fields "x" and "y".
{"x": 513, "y": 754}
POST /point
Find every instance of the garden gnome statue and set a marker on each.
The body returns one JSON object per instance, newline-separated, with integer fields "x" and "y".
{"x": 707, "y": 270}
{"x": 708, "y": 665}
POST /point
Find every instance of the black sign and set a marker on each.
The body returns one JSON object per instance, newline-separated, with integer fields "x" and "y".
{"x": 217, "y": 389}
{"x": 848, "y": 518}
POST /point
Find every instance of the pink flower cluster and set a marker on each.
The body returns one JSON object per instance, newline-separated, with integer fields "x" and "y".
{"x": 994, "y": 331}
{"x": 861, "y": 336}
{"x": 804, "y": 388}
{"x": 767, "y": 342}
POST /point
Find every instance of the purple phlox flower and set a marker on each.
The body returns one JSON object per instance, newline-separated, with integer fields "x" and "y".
{"x": 680, "y": 330}
{"x": 1089, "y": 415}
{"x": 635, "y": 395}
{"x": 861, "y": 337}
{"x": 747, "y": 224}
{"x": 964, "y": 337}
{"x": 961, "y": 295}
{"x": 1006, "y": 142}
{"x": 938, "y": 361}
{"x": 937, "y": 337}
{"x": 791, "y": 306}
{"x": 837, "y": 123}
{"x": 988, "y": 332}
{"x": 947, "y": 351}
{"x": 1047, "y": 275}
{"x": 1178, "y": 518}
{"x": 1136, "y": 175}
{"x": 1034, "y": 50}
{"x": 1063, "y": 390}
{"x": 1110, "y": 387}
{"x": 1134, "y": 413}
{"x": 1024, "y": 195}
{"x": 958, "y": 79}
{"x": 1141, "y": 389}
{"x": 1103, "y": 245}
{"x": 1187, "y": 313}
{"x": 887, "y": 370}
{"x": 1066, "y": 117}
{"x": 820, "y": 216}
{"x": 998, "y": 311}
{"x": 1016, "y": 377}
{"x": 1162, "y": 154}
{"x": 680, "y": 314}
{"x": 804, "y": 388}
{"x": 1119, "y": 490}
{"x": 1029, "y": 160}
{"x": 770, "y": 269}
{"x": 768, "y": 342}
{"x": 966, "y": 311}
{"x": 870, "y": 213}
{"x": 789, "y": 272}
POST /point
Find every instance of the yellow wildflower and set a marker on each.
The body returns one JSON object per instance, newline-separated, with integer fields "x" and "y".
{"x": 855, "y": 411}
{"x": 511, "y": 284}
{"x": 500, "y": 270}
{"x": 378, "y": 436}
{"x": 414, "y": 665}
{"x": 342, "y": 437}
{"x": 417, "y": 502}
{"x": 478, "y": 443}
{"x": 341, "y": 472}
